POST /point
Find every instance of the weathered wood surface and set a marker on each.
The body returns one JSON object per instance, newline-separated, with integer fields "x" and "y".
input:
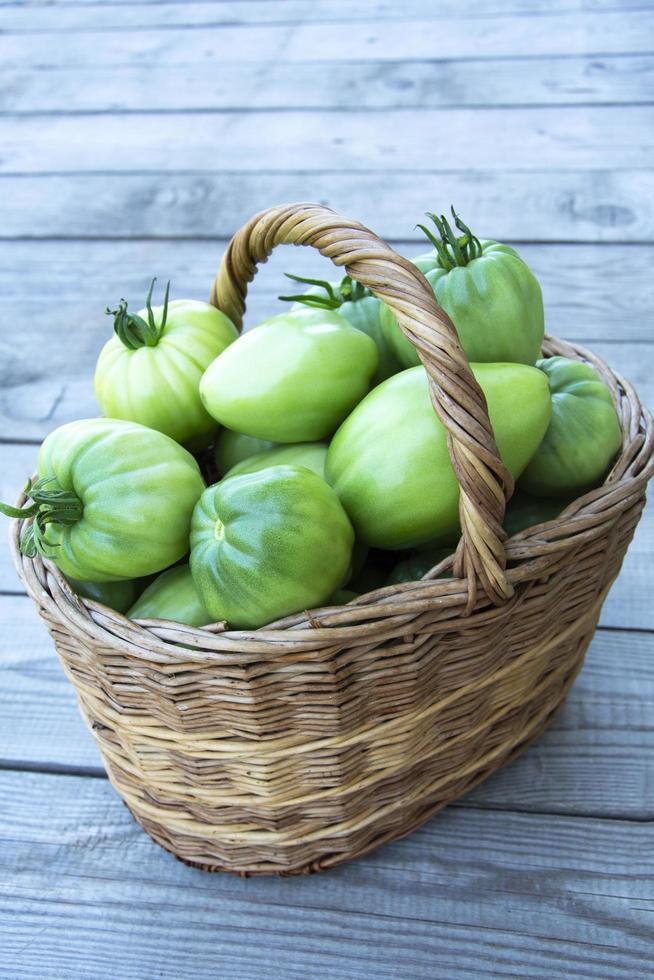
{"x": 134, "y": 139}
{"x": 129, "y": 15}
{"x": 375, "y": 85}
{"x": 594, "y": 137}
{"x": 361, "y": 39}
{"x": 535, "y": 206}
{"x": 84, "y": 893}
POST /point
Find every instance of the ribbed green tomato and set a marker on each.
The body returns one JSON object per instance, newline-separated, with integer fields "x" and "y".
{"x": 293, "y": 378}
{"x": 173, "y": 595}
{"x": 309, "y": 454}
{"x": 358, "y": 305}
{"x": 117, "y": 595}
{"x": 233, "y": 447}
{"x": 583, "y": 436}
{"x": 113, "y": 500}
{"x": 150, "y": 370}
{"x": 490, "y": 294}
{"x": 267, "y": 544}
{"x": 389, "y": 463}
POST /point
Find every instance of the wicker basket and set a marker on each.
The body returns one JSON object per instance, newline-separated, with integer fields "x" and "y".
{"x": 316, "y": 739}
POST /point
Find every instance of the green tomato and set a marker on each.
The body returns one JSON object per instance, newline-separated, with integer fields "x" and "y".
{"x": 389, "y": 463}
{"x": 342, "y": 597}
{"x": 360, "y": 308}
{"x": 426, "y": 261}
{"x": 525, "y": 511}
{"x": 233, "y": 447}
{"x": 491, "y": 296}
{"x": 267, "y": 544}
{"x": 150, "y": 370}
{"x": 309, "y": 454}
{"x": 413, "y": 568}
{"x": 370, "y": 576}
{"x": 360, "y": 553}
{"x": 293, "y": 378}
{"x": 584, "y": 434}
{"x": 113, "y": 500}
{"x": 365, "y": 315}
{"x": 116, "y": 595}
{"x": 173, "y": 595}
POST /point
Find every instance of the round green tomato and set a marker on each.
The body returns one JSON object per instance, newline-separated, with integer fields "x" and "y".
{"x": 426, "y": 261}
{"x": 309, "y": 454}
{"x": 293, "y": 378}
{"x": 267, "y": 544}
{"x": 584, "y": 434}
{"x": 494, "y": 301}
{"x": 389, "y": 463}
{"x": 233, "y": 447}
{"x": 365, "y": 315}
{"x": 116, "y": 595}
{"x": 173, "y": 595}
{"x": 413, "y": 568}
{"x": 157, "y": 381}
{"x": 114, "y": 499}
{"x": 525, "y": 511}
{"x": 363, "y": 312}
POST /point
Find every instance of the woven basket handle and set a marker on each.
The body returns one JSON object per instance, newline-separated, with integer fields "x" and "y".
{"x": 457, "y": 398}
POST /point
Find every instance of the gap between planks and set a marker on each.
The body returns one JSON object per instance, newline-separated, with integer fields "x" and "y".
{"x": 69, "y": 770}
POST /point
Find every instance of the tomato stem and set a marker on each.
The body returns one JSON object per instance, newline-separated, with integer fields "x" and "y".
{"x": 51, "y": 505}
{"x": 452, "y": 250}
{"x": 132, "y": 330}
{"x": 347, "y": 291}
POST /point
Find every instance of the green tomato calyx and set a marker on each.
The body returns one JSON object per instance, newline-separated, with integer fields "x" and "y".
{"x": 132, "y": 330}
{"x": 347, "y": 291}
{"x": 51, "y": 505}
{"x": 452, "y": 250}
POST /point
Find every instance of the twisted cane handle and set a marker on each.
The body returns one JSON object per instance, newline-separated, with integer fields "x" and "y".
{"x": 458, "y": 400}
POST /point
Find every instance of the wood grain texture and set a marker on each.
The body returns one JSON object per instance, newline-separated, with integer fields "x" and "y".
{"x": 103, "y": 14}
{"x": 373, "y": 39}
{"x": 471, "y": 894}
{"x": 475, "y": 893}
{"x": 374, "y": 85}
{"x": 60, "y": 290}
{"x": 594, "y": 760}
{"x": 569, "y": 206}
{"x": 568, "y": 137}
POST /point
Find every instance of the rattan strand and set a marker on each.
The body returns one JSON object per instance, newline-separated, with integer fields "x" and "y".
{"x": 328, "y": 733}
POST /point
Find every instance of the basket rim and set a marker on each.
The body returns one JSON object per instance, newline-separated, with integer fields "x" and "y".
{"x": 297, "y": 636}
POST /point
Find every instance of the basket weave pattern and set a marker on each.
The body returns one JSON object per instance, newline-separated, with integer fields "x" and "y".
{"x": 321, "y": 736}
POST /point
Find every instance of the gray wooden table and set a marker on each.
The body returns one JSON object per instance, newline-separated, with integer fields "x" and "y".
{"x": 135, "y": 139}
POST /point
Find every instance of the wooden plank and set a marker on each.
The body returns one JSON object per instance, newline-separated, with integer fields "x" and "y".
{"x": 17, "y": 463}
{"x": 568, "y": 137}
{"x": 594, "y": 760}
{"x": 355, "y": 85}
{"x": 538, "y": 206}
{"x": 614, "y": 32}
{"x": 59, "y": 290}
{"x": 103, "y": 14}
{"x": 471, "y": 894}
